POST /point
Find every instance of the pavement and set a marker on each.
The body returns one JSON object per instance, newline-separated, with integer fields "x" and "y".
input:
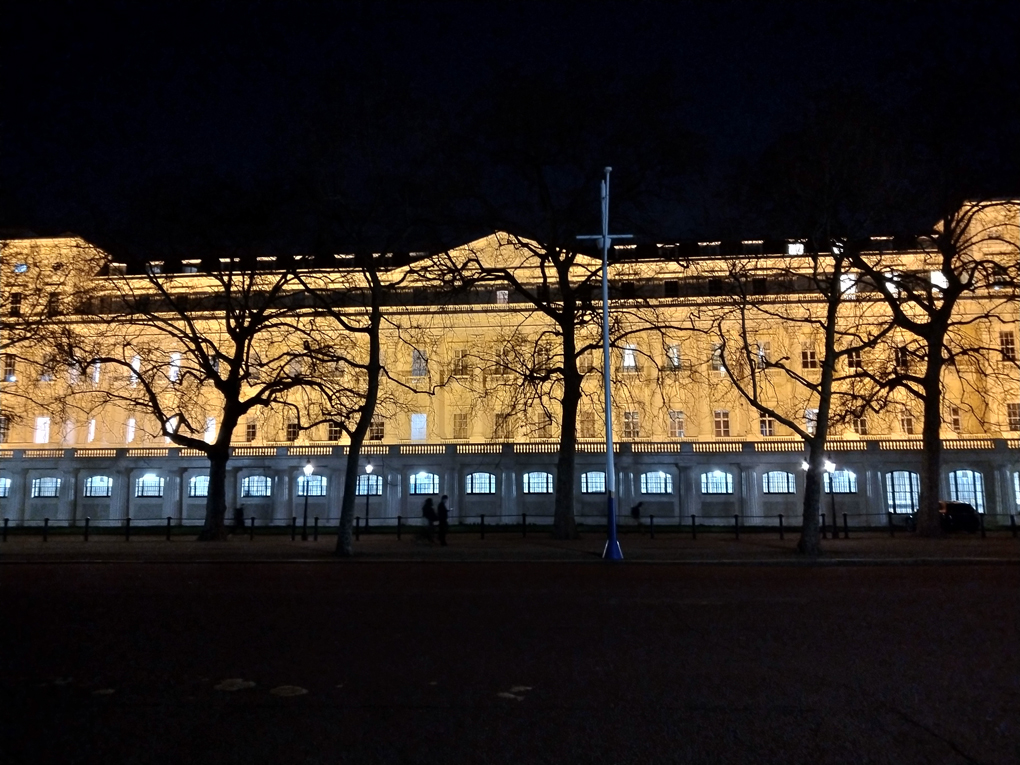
{"x": 675, "y": 547}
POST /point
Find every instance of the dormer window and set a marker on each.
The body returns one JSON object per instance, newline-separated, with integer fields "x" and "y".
{"x": 709, "y": 248}
{"x": 752, "y": 246}
{"x": 794, "y": 248}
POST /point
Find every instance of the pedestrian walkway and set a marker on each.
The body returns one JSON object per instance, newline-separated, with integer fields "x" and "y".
{"x": 862, "y": 548}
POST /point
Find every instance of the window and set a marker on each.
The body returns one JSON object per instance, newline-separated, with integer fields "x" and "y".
{"x": 47, "y": 371}
{"x": 953, "y": 418}
{"x": 129, "y": 430}
{"x": 543, "y": 425}
{"x": 53, "y": 304}
{"x": 778, "y": 482}
{"x": 538, "y": 483}
{"x": 585, "y": 362}
{"x": 95, "y": 371}
{"x": 902, "y": 359}
{"x": 840, "y": 482}
{"x": 674, "y": 362}
{"x": 1007, "y": 346}
{"x": 721, "y": 420}
{"x": 630, "y": 358}
{"x": 10, "y": 368}
{"x": 656, "y": 482}
{"x": 5, "y": 428}
{"x": 423, "y": 483}
{"x": 333, "y": 431}
{"x": 46, "y": 487}
{"x": 587, "y": 425}
{"x": 761, "y": 355}
{"x": 811, "y": 420}
{"x": 419, "y": 426}
{"x": 368, "y": 485}
{"x": 716, "y": 482}
{"x": 716, "y": 364}
{"x": 631, "y": 425}
{"x": 848, "y": 284}
{"x": 171, "y": 427}
{"x": 210, "y": 429}
{"x": 502, "y": 297}
{"x": 91, "y": 434}
{"x": 968, "y": 486}
{"x": 808, "y": 358}
{"x": 256, "y": 486}
{"x": 419, "y": 363}
{"x": 854, "y": 362}
{"x": 676, "y": 423}
{"x": 377, "y": 430}
{"x": 902, "y": 488}
{"x": 1013, "y": 416}
{"x": 198, "y": 486}
{"x": 42, "y": 430}
{"x": 1016, "y": 487}
{"x": 149, "y": 485}
{"x": 504, "y": 427}
{"x": 795, "y": 248}
{"x": 593, "y": 482}
{"x": 14, "y": 307}
{"x": 311, "y": 486}
{"x": 860, "y": 425}
{"x": 767, "y": 425}
{"x": 293, "y": 430}
{"x": 907, "y": 423}
{"x": 175, "y": 367}
{"x": 461, "y": 425}
{"x": 480, "y": 483}
{"x": 5, "y": 487}
{"x": 938, "y": 279}
{"x": 671, "y": 288}
{"x": 136, "y": 365}
{"x": 460, "y": 362}
{"x": 251, "y": 430}
{"x": 98, "y": 486}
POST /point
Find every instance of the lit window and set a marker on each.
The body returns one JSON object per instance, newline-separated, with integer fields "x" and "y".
{"x": 175, "y": 367}
{"x": 419, "y": 363}
{"x": 630, "y": 358}
{"x": 902, "y": 488}
{"x": 480, "y": 483}
{"x": 149, "y": 485}
{"x": 423, "y": 483}
{"x": 778, "y": 482}
{"x": 767, "y": 425}
{"x": 502, "y": 297}
{"x": 377, "y": 430}
{"x": 968, "y": 486}
{"x": 1007, "y": 346}
{"x": 210, "y": 429}
{"x": 419, "y": 426}
{"x": 761, "y": 355}
{"x": 98, "y": 486}
{"x": 256, "y": 486}
{"x": 631, "y": 425}
{"x": 674, "y": 362}
{"x": 198, "y": 486}
{"x": 5, "y": 487}
{"x": 795, "y": 248}
{"x": 20, "y": 268}
{"x": 716, "y": 482}
{"x": 593, "y": 482}
{"x": 938, "y": 279}
{"x": 676, "y": 423}
{"x": 42, "y": 430}
{"x": 538, "y": 483}
{"x": 136, "y": 365}
{"x": 95, "y": 370}
{"x": 129, "y": 430}
{"x": 91, "y": 435}
{"x": 848, "y": 284}
{"x": 811, "y": 420}
{"x": 717, "y": 364}
{"x": 656, "y": 482}
{"x": 721, "y": 420}
{"x": 368, "y": 485}
{"x": 907, "y": 423}
{"x": 10, "y": 368}
{"x": 46, "y": 487}
{"x": 840, "y": 482}
{"x": 311, "y": 486}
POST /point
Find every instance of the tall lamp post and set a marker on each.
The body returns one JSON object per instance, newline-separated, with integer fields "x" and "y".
{"x": 304, "y": 519}
{"x": 830, "y": 468}
{"x": 368, "y": 490}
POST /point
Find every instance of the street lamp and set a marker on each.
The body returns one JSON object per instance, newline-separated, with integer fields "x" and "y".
{"x": 368, "y": 490}
{"x": 830, "y": 468}
{"x": 304, "y": 520}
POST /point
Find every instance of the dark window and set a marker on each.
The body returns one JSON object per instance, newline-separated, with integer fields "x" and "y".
{"x": 334, "y": 431}
{"x": 671, "y": 288}
{"x": 14, "y": 309}
{"x": 293, "y": 429}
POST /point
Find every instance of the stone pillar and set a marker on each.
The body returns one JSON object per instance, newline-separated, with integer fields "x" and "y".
{"x": 280, "y": 496}
{"x": 120, "y": 502}
{"x": 508, "y": 493}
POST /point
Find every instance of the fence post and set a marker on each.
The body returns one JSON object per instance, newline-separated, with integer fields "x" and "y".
{"x": 892, "y": 529}
{"x": 45, "y": 529}
{"x": 293, "y": 528}
{"x": 357, "y": 527}
{"x": 483, "y": 525}
{"x": 736, "y": 526}
{"x": 87, "y": 519}
{"x": 400, "y": 523}
{"x": 981, "y": 521}
{"x": 127, "y": 530}
{"x": 1012, "y": 524}
{"x": 168, "y": 528}
{"x": 846, "y": 528}
{"x": 315, "y": 530}
{"x": 780, "y": 525}
{"x": 821, "y": 520}
{"x": 694, "y": 526}
{"x": 524, "y": 525}
{"x": 651, "y": 526}
{"x": 251, "y": 531}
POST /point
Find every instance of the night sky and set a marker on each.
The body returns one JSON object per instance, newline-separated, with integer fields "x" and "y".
{"x": 112, "y": 108}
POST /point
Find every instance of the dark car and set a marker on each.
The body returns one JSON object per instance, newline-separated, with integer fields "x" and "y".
{"x": 958, "y": 516}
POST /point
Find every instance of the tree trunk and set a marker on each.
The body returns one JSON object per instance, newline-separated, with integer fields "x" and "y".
{"x": 345, "y": 534}
{"x": 810, "y": 538}
{"x": 928, "y": 522}
{"x": 214, "y": 529}
{"x": 564, "y": 525}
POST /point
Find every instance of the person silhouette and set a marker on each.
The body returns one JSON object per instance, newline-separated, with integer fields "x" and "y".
{"x": 444, "y": 516}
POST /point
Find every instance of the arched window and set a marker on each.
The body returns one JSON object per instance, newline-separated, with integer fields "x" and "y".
{"x": 656, "y": 482}
{"x": 901, "y": 490}
{"x": 778, "y": 482}
{"x": 423, "y": 483}
{"x": 593, "y": 482}
{"x": 5, "y": 487}
{"x": 46, "y": 487}
{"x": 149, "y": 485}
{"x": 311, "y": 486}
{"x": 480, "y": 483}
{"x": 1016, "y": 487}
{"x": 840, "y": 482}
{"x": 256, "y": 486}
{"x": 716, "y": 482}
{"x": 968, "y": 486}
{"x": 368, "y": 485}
{"x": 198, "y": 486}
{"x": 98, "y": 486}
{"x": 538, "y": 483}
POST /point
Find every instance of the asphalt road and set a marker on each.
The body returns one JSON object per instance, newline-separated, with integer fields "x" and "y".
{"x": 508, "y": 663}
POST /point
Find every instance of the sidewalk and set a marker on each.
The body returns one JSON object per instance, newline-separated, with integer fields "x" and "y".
{"x": 863, "y": 548}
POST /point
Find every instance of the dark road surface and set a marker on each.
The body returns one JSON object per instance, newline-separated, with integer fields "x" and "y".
{"x": 508, "y": 663}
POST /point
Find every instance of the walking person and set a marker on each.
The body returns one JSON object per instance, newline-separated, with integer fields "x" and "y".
{"x": 429, "y": 513}
{"x": 444, "y": 516}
